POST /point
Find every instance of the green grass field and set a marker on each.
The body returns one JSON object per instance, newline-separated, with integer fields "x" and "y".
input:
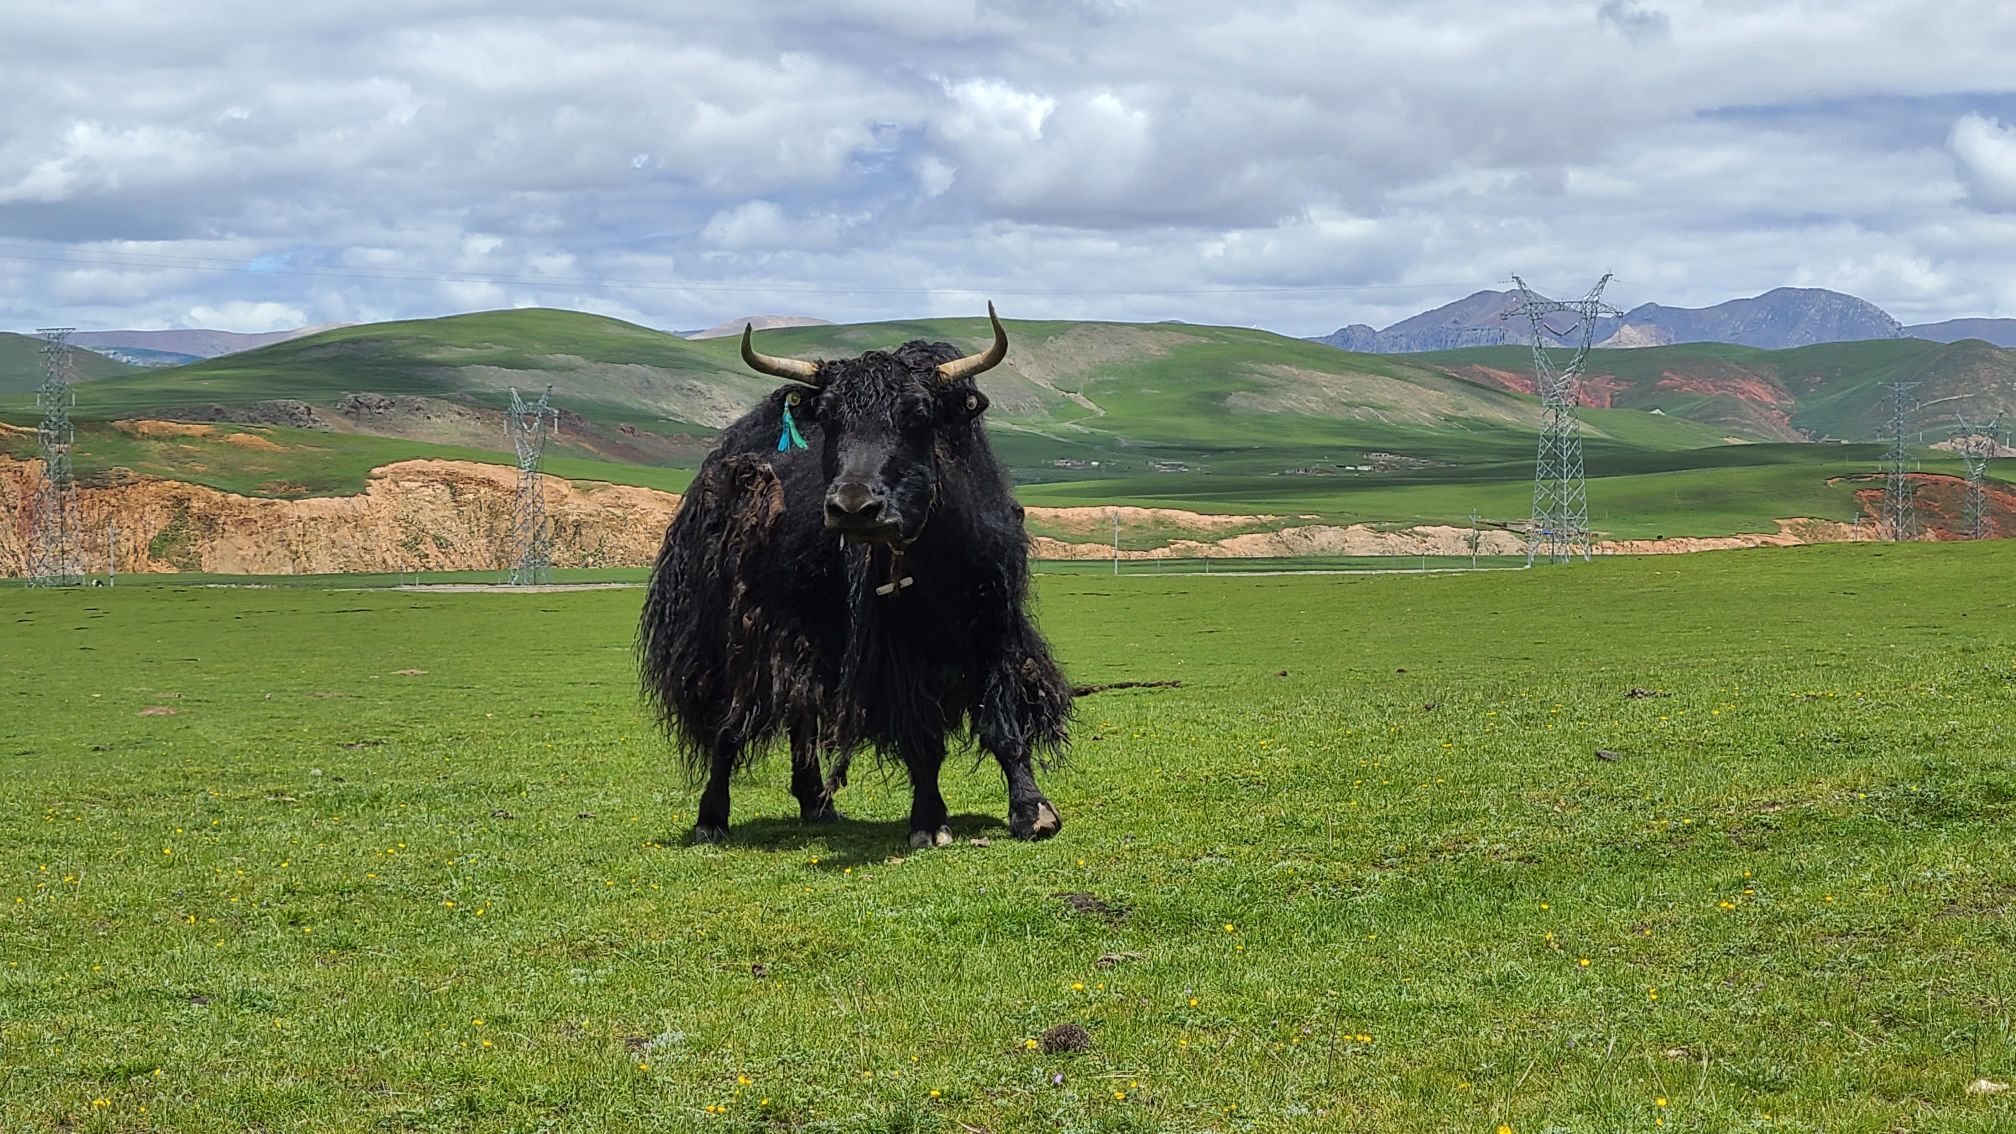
{"x": 381, "y": 860}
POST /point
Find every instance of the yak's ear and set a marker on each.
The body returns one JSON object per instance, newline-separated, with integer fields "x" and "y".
{"x": 966, "y": 405}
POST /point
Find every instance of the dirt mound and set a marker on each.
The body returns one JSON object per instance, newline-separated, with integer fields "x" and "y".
{"x": 456, "y": 515}
{"x": 1310, "y": 539}
{"x": 1790, "y": 533}
{"x": 1085, "y": 521}
{"x": 1438, "y": 540}
{"x": 412, "y": 516}
{"x": 151, "y": 429}
{"x": 279, "y": 411}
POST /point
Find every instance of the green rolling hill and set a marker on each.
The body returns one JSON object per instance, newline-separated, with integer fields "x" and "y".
{"x": 21, "y": 367}
{"x": 1074, "y": 399}
{"x": 1212, "y": 418}
{"x": 1828, "y": 391}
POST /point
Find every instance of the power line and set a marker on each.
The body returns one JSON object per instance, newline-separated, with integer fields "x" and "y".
{"x": 169, "y": 261}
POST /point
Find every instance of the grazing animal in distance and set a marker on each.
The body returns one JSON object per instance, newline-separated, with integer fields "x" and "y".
{"x": 849, "y": 568}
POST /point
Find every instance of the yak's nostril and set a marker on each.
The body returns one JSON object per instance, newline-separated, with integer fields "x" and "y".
{"x": 853, "y": 501}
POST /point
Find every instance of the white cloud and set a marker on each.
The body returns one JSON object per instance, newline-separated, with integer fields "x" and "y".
{"x": 752, "y": 224}
{"x": 1639, "y": 23}
{"x": 1986, "y": 152}
{"x": 247, "y": 316}
{"x": 1404, "y": 154}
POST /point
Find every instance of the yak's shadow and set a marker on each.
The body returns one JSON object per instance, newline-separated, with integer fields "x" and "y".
{"x": 850, "y": 842}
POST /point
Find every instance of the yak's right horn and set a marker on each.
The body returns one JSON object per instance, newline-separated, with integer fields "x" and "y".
{"x": 949, "y": 372}
{"x": 796, "y": 369}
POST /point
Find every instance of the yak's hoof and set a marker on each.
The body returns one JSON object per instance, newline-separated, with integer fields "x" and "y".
{"x": 703, "y": 834}
{"x": 1040, "y": 823}
{"x": 823, "y": 812}
{"x": 920, "y": 840}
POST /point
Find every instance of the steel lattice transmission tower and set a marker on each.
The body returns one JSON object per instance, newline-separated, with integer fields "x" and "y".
{"x": 1977, "y": 445}
{"x": 1560, "y": 530}
{"x": 1900, "y": 504}
{"x": 55, "y": 558}
{"x": 531, "y": 537}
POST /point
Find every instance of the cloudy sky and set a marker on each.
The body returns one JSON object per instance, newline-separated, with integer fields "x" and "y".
{"x": 261, "y": 165}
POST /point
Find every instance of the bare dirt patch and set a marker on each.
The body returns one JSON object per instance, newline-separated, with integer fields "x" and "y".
{"x": 1090, "y": 521}
{"x": 412, "y": 515}
{"x": 252, "y": 441}
{"x": 1088, "y": 690}
{"x": 1065, "y": 1039}
{"x": 522, "y": 589}
{"x": 156, "y": 430}
{"x": 1093, "y": 905}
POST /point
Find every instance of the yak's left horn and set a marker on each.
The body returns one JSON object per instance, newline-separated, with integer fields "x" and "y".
{"x": 978, "y": 363}
{"x": 796, "y": 369}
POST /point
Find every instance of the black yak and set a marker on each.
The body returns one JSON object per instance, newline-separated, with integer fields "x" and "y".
{"x": 849, "y": 569}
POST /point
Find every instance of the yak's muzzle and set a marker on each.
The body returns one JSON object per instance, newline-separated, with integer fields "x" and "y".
{"x": 860, "y": 513}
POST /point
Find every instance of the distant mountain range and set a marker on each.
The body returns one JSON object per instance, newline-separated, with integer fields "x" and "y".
{"x": 1780, "y": 319}
{"x": 173, "y": 348}
{"x": 761, "y": 322}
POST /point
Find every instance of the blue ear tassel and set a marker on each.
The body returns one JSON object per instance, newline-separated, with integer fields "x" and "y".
{"x": 790, "y": 438}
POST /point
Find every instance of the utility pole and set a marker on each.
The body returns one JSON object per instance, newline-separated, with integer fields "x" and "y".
{"x": 1900, "y": 504}
{"x": 1978, "y": 445}
{"x": 531, "y": 538}
{"x": 1115, "y": 516}
{"x": 1560, "y": 529}
{"x": 54, "y": 558}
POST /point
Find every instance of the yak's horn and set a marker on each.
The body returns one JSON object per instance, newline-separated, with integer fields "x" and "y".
{"x": 796, "y": 369}
{"x": 977, "y": 363}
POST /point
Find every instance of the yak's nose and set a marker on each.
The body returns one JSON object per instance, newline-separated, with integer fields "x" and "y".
{"x": 853, "y": 504}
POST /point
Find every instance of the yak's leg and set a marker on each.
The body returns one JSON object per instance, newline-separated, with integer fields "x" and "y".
{"x": 815, "y": 800}
{"x": 837, "y": 778}
{"x": 1030, "y": 813}
{"x": 712, "y": 825}
{"x": 927, "y": 806}
{"x": 1019, "y": 702}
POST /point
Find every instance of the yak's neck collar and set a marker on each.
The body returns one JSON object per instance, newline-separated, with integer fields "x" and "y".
{"x": 897, "y": 579}
{"x": 899, "y": 549}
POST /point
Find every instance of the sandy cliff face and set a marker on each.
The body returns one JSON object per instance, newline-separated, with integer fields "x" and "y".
{"x": 456, "y": 515}
{"x": 413, "y": 515}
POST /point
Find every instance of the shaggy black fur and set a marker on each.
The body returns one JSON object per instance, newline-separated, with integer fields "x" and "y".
{"x": 761, "y": 621}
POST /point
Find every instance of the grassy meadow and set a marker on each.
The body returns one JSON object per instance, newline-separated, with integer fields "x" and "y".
{"x": 338, "y": 860}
